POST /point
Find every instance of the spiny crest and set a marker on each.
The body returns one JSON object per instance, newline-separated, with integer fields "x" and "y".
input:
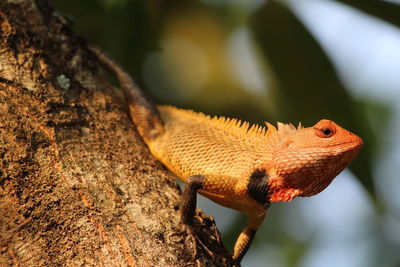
{"x": 275, "y": 134}
{"x": 271, "y": 135}
{"x": 238, "y": 127}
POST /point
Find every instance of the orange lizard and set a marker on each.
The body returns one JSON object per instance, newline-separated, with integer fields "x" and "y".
{"x": 240, "y": 167}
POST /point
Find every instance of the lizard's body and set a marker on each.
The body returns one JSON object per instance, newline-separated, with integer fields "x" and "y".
{"x": 240, "y": 167}
{"x": 216, "y": 148}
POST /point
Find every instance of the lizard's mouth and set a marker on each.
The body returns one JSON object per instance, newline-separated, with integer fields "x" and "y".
{"x": 354, "y": 143}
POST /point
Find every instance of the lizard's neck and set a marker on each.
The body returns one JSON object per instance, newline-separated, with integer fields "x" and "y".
{"x": 279, "y": 191}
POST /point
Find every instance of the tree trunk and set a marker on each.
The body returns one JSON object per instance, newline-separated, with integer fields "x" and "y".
{"x": 78, "y": 187}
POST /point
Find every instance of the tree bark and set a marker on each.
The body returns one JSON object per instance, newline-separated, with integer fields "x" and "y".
{"x": 78, "y": 187}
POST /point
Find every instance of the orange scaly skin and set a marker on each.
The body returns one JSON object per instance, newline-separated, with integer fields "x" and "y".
{"x": 240, "y": 167}
{"x": 299, "y": 162}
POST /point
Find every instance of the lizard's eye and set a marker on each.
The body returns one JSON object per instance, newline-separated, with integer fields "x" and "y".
{"x": 325, "y": 132}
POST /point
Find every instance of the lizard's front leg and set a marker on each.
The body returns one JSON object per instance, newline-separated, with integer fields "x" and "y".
{"x": 189, "y": 198}
{"x": 188, "y": 204}
{"x": 246, "y": 236}
{"x": 188, "y": 208}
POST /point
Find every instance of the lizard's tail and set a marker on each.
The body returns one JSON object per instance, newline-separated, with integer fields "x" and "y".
{"x": 143, "y": 112}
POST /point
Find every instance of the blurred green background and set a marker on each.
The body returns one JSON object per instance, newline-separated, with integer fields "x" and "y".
{"x": 289, "y": 61}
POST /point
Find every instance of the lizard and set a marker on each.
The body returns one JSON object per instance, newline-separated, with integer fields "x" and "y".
{"x": 239, "y": 166}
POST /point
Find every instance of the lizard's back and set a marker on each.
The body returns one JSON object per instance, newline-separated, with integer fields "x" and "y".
{"x": 193, "y": 143}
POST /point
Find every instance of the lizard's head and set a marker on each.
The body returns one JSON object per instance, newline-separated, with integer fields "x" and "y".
{"x": 308, "y": 159}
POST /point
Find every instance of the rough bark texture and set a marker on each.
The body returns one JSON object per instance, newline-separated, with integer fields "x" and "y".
{"x": 77, "y": 185}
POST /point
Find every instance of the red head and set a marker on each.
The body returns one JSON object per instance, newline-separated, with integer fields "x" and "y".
{"x": 308, "y": 159}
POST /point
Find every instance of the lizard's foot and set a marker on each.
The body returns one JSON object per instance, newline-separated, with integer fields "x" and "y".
{"x": 202, "y": 239}
{"x": 197, "y": 234}
{"x": 187, "y": 235}
{"x": 205, "y": 233}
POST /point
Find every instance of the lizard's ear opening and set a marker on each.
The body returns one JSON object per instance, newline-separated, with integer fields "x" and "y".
{"x": 325, "y": 129}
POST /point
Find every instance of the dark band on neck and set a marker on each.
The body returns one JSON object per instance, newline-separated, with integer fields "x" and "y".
{"x": 258, "y": 187}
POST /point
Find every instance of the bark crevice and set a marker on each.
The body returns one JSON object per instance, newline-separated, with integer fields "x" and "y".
{"x": 77, "y": 184}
